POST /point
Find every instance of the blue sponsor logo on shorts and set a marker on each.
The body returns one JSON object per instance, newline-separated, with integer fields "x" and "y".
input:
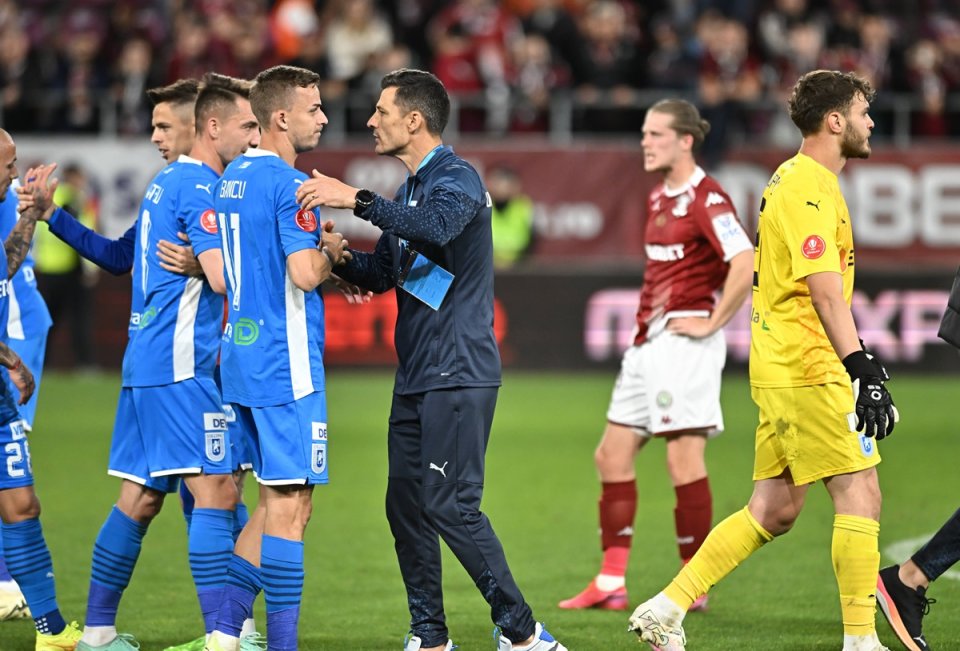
{"x": 866, "y": 444}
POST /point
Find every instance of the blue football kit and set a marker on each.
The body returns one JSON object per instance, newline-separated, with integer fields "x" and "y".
{"x": 272, "y": 347}
{"x": 28, "y": 319}
{"x": 170, "y": 418}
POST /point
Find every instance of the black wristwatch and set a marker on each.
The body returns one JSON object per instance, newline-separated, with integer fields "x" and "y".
{"x": 364, "y": 200}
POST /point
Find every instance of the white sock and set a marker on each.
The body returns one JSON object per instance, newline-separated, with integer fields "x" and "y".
{"x": 610, "y": 582}
{"x": 226, "y": 642}
{"x": 536, "y": 638}
{"x": 861, "y": 642}
{"x": 668, "y": 609}
{"x": 9, "y": 586}
{"x": 98, "y": 635}
{"x": 249, "y": 626}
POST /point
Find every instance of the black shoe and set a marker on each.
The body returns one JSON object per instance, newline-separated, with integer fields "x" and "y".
{"x": 903, "y": 607}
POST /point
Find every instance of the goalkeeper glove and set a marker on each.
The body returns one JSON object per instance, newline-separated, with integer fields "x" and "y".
{"x": 876, "y": 413}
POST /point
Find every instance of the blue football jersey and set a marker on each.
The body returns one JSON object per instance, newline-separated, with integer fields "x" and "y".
{"x": 272, "y": 348}
{"x": 27, "y": 316}
{"x": 177, "y": 330}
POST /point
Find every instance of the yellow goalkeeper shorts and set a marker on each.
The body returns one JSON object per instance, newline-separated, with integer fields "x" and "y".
{"x": 811, "y": 431}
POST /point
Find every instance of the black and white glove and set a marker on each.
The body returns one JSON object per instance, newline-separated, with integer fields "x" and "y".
{"x": 876, "y": 413}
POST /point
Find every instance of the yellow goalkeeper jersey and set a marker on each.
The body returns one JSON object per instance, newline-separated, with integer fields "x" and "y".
{"x": 804, "y": 228}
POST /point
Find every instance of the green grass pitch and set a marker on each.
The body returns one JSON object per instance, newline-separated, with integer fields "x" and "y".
{"x": 541, "y": 496}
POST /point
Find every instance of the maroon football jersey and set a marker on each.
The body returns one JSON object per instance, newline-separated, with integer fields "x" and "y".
{"x": 692, "y": 232}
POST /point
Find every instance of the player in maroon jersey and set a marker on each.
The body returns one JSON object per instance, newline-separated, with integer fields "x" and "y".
{"x": 669, "y": 382}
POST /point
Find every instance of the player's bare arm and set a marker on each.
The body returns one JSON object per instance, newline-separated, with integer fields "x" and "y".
{"x": 19, "y": 373}
{"x": 321, "y": 190}
{"x": 826, "y": 293}
{"x": 179, "y": 258}
{"x": 211, "y": 263}
{"x": 310, "y": 267}
{"x": 736, "y": 287}
{"x": 40, "y": 186}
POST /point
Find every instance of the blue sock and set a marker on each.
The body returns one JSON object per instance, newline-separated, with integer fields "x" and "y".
{"x": 4, "y": 572}
{"x": 243, "y": 585}
{"x": 281, "y": 562}
{"x": 210, "y": 546}
{"x": 115, "y": 555}
{"x": 186, "y": 503}
{"x": 31, "y": 567}
{"x": 240, "y": 519}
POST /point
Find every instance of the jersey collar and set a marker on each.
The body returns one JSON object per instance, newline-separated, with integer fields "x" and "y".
{"x": 256, "y": 152}
{"x": 694, "y": 180}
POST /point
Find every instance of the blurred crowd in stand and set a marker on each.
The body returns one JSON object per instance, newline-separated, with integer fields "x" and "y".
{"x": 515, "y": 66}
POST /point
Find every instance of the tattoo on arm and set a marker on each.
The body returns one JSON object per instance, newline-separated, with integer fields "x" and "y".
{"x": 18, "y": 242}
{"x": 7, "y": 357}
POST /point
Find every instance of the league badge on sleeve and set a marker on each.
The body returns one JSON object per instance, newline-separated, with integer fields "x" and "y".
{"x": 208, "y": 222}
{"x": 306, "y": 220}
{"x": 813, "y": 247}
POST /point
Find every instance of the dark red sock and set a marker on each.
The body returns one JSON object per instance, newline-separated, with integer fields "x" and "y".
{"x": 693, "y": 515}
{"x": 618, "y": 506}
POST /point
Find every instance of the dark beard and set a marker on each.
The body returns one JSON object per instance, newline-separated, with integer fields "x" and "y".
{"x": 849, "y": 148}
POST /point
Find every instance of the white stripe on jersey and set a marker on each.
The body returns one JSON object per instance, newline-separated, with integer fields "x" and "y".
{"x": 183, "y": 345}
{"x": 14, "y": 324}
{"x": 298, "y": 348}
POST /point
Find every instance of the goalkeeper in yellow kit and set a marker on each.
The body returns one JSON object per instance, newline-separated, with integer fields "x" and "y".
{"x": 822, "y": 400}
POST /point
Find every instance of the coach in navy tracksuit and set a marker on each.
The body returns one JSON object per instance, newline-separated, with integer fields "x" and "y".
{"x": 449, "y": 373}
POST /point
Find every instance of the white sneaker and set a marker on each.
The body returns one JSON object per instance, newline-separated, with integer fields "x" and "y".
{"x": 13, "y": 605}
{"x": 413, "y": 643}
{"x": 863, "y": 643}
{"x": 657, "y": 630}
{"x": 542, "y": 641}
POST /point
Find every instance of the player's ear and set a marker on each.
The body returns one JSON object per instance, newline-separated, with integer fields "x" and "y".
{"x": 281, "y": 119}
{"x": 414, "y": 121}
{"x": 213, "y": 125}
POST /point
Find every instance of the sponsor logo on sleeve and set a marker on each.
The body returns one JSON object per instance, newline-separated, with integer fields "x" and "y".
{"x": 306, "y": 220}
{"x": 208, "y": 222}
{"x": 813, "y": 247}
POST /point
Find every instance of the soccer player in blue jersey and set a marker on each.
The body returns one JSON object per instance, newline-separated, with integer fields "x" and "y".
{"x": 27, "y": 556}
{"x": 226, "y": 127}
{"x": 28, "y": 322}
{"x": 170, "y": 420}
{"x": 437, "y": 225}
{"x": 272, "y": 349}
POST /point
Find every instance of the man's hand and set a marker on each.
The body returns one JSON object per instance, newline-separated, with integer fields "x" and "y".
{"x": 179, "y": 258}
{"x": 334, "y": 245}
{"x": 695, "y": 327}
{"x": 355, "y": 295}
{"x": 23, "y": 380}
{"x": 36, "y": 192}
{"x": 325, "y": 191}
{"x": 876, "y": 413}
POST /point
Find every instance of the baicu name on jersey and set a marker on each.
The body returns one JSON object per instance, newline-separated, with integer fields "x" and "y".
{"x": 232, "y": 189}
{"x": 664, "y": 252}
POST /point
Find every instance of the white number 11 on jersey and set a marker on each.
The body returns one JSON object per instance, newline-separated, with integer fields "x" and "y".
{"x": 230, "y": 238}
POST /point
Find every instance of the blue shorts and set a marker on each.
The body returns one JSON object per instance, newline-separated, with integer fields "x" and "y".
{"x": 289, "y": 441}
{"x": 31, "y": 351}
{"x": 240, "y": 440}
{"x": 15, "y": 468}
{"x": 166, "y": 431}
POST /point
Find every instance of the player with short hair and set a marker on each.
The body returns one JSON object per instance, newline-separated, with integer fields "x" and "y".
{"x": 170, "y": 419}
{"x": 814, "y": 384}
{"x": 272, "y": 349}
{"x": 437, "y": 227}
{"x": 27, "y": 326}
{"x": 26, "y": 554}
{"x": 669, "y": 381}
